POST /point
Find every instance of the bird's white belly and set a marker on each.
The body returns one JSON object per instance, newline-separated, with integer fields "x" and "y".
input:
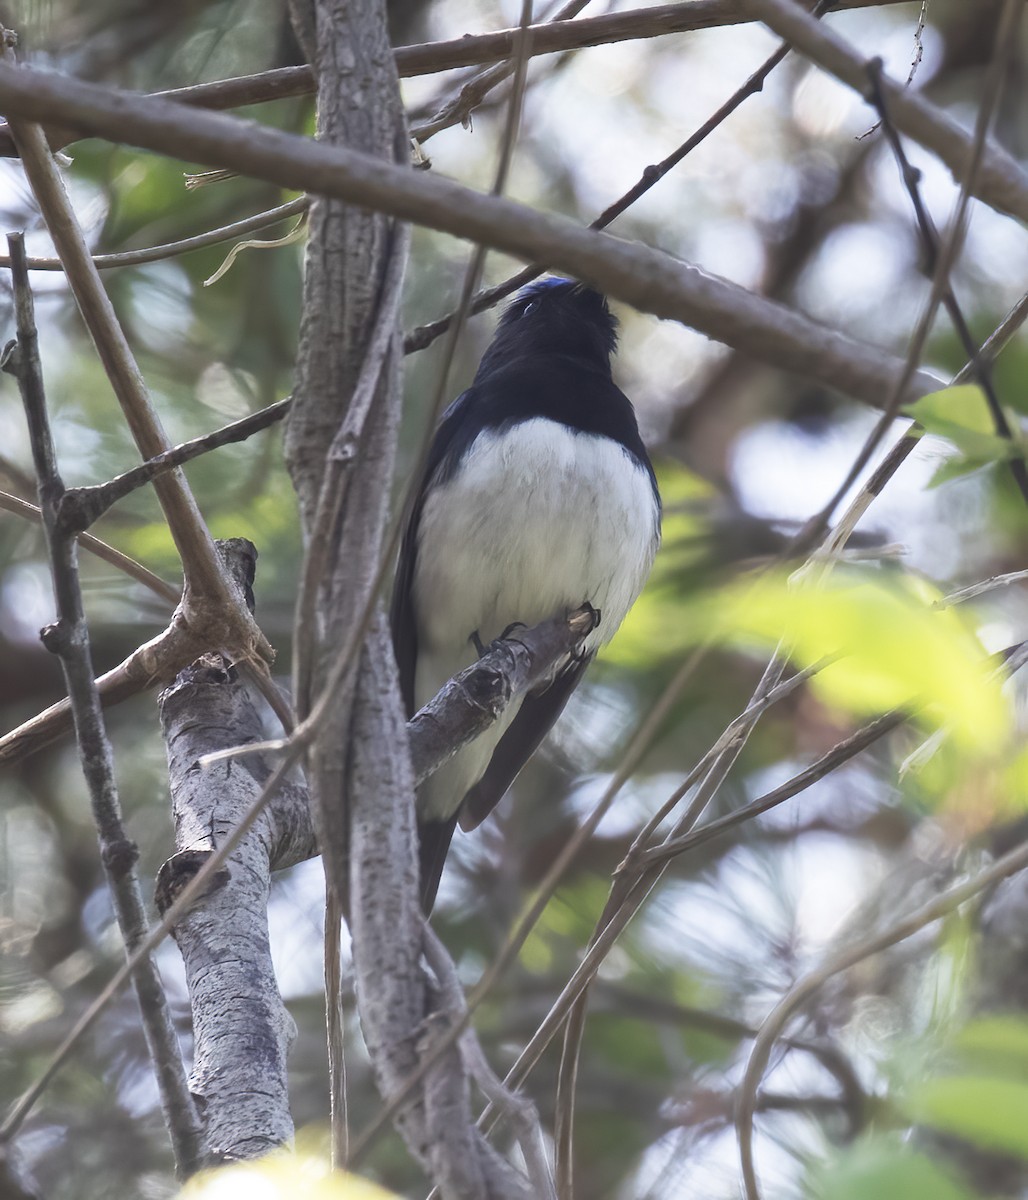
{"x": 536, "y": 521}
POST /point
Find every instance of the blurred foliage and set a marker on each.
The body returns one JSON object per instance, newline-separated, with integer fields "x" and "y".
{"x": 783, "y": 200}
{"x": 283, "y": 1176}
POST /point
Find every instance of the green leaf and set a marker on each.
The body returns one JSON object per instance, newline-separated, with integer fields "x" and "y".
{"x": 990, "y": 1111}
{"x": 1000, "y": 1041}
{"x": 876, "y": 1169}
{"x": 956, "y": 467}
{"x": 282, "y": 1175}
{"x": 961, "y": 416}
{"x": 894, "y": 648}
{"x": 963, "y": 406}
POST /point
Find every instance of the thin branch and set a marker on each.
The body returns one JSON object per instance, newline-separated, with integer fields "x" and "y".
{"x": 459, "y": 109}
{"x": 842, "y": 752}
{"x": 1001, "y": 180}
{"x": 210, "y": 603}
{"x": 424, "y": 335}
{"x": 22, "y": 508}
{"x": 213, "y": 237}
{"x": 647, "y": 279}
{"x": 198, "y": 886}
{"x": 628, "y": 893}
{"x": 940, "y": 260}
{"x": 775, "y": 1023}
{"x": 68, "y": 638}
{"x": 468, "y": 51}
{"x": 81, "y": 506}
{"x": 979, "y": 589}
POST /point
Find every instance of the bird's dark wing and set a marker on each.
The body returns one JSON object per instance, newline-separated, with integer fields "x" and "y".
{"x": 533, "y": 722}
{"x": 446, "y": 448}
{"x": 433, "y": 843}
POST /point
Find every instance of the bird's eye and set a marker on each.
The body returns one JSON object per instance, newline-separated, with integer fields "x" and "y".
{"x": 528, "y": 307}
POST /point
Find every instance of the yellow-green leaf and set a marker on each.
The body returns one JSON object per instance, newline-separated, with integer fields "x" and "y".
{"x": 990, "y": 1111}
{"x": 1000, "y": 1041}
{"x": 963, "y": 406}
{"x": 894, "y": 648}
{"x": 282, "y": 1176}
{"x": 883, "y": 1170}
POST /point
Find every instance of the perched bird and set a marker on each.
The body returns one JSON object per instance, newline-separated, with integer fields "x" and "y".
{"x": 537, "y": 497}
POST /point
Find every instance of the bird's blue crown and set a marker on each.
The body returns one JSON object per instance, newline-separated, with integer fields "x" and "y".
{"x": 557, "y": 316}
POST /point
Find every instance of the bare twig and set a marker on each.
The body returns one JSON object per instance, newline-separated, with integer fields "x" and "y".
{"x": 1000, "y": 181}
{"x": 979, "y": 589}
{"x": 474, "y": 91}
{"x": 628, "y": 892}
{"x": 210, "y": 607}
{"x": 80, "y": 507}
{"x": 467, "y": 51}
{"x": 775, "y": 1023}
{"x": 22, "y": 508}
{"x": 915, "y": 62}
{"x": 940, "y": 260}
{"x": 855, "y": 744}
{"x": 225, "y": 233}
{"x": 649, "y": 280}
{"x": 68, "y": 638}
{"x": 424, "y": 335}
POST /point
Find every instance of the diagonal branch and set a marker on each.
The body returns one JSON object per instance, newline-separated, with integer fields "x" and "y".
{"x": 136, "y": 570}
{"x": 68, "y": 638}
{"x": 1001, "y": 180}
{"x": 471, "y": 50}
{"x": 81, "y": 506}
{"x": 647, "y": 279}
{"x": 210, "y": 605}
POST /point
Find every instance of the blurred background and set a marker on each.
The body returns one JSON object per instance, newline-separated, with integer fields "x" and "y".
{"x": 786, "y": 199}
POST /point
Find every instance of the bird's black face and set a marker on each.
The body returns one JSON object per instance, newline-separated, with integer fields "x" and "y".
{"x": 555, "y": 316}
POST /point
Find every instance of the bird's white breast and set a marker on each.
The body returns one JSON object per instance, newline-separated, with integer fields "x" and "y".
{"x": 537, "y": 520}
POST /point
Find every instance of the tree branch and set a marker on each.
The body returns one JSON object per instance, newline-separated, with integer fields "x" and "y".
{"x": 81, "y": 506}
{"x": 1001, "y": 181}
{"x": 136, "y": 570}
{"x": 68, "y": 638}
{"x": 468, "y": 51}
{"x": 647, "y": 279}
{"x": 241, "y": 1029}
{"x": 199, "y": 241}
{"x": 209, "y": 603}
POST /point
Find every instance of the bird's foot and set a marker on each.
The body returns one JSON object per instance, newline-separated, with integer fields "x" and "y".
{"x": 481, "y": 649}
{"x": 579, "y": 653}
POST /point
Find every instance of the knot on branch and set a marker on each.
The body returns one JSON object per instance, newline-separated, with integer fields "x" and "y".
{"x": 56, "y": 637}
{"x": 178, "y": 871}
{"x": 10, "y": 358}
{"x": 119, "y": 856}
